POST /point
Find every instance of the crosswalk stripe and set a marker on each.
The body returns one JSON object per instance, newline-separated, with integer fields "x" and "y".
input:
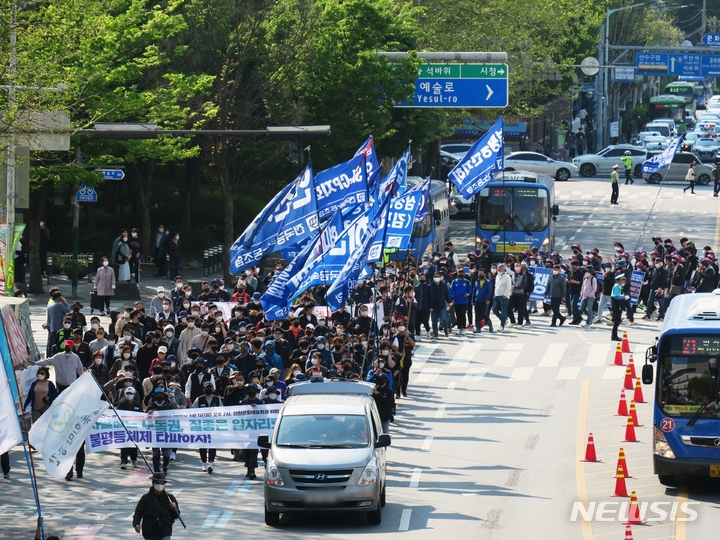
{"x": 466, "y": 353}
{"x": 553, "y": 355}
{"x": 223, "y": 520}
{"x": 521, "y": 373}
{"x": 428, "y": 375}
{"x": 208, "y": 523}
{"x": 514, "y": 346}
{"x": 507, "y": 359}
{"x": 597, "y": 357}
{"x": 567, "y": 373}
{"x": 475, "y": 374}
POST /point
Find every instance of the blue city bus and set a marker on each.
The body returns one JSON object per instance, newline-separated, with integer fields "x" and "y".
{"x": 433, "y": 231}
{"x": 516, "y": 211}
{"x": 703, "y": 87}
{"x": 686, "y": 408}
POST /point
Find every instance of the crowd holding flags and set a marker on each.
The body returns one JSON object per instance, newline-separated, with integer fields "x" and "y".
{"x": 344, "y": 218}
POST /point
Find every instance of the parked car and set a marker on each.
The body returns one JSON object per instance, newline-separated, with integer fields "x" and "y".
{"x": 602, "y": 162}
{"x": 706, "y": 148}
{"x": 460, "y": 205}
{"x": 677, "y": 170}
{"x": 458, "y": 149}
{"x": 538, "y": 163}
{"x": 655, "y": 142}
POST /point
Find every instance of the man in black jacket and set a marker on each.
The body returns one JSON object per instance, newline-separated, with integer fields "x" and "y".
{"x": 384, "y": 400}
{"x": 156, "y": 510}
{"x": 657, "y": 286}
{"x": 422, "y": 297}
{"x": 439, "y": 304}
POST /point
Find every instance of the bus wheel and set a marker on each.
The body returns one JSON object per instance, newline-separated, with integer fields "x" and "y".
{"x": 667, "y": 480}
{"x": 562, "y": 175}
{"x": 587, "y": 169}
{"x": 704, "y": 179}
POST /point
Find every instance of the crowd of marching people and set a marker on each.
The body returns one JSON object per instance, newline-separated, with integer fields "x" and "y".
{"x": 181, "y": 351}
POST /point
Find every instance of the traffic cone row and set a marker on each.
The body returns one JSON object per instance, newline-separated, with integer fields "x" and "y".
{"x": 622, "y": 405}
{"x": 620, "y": 487}
{"x": 628, "y": 384}
{"x": 628, "y": 533}
{"x": 634, "y": 512}
{"x": 590, "y": 455}
{"x": 631, "y": 365}
{"x": 622, "y": 465}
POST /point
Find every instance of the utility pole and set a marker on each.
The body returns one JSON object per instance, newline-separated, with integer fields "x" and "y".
{"x": 704, "y": 19}
{"x": 10, "y": 203}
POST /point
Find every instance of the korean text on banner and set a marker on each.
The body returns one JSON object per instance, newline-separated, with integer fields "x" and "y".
{"x": 485, "y": 157}
{"x": 403, "y": 215}
{"x": 9, "y": 425}
{"x": 211, "y": 427}
{"x": 542, "y": 277}
{"x": 661, "y": 161}
{"x": 341, "y": 186}
{"x": 58, "y": 434}
{"x": 636, "y": 281}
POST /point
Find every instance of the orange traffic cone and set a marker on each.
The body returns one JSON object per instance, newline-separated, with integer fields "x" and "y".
{"x": 634, "y": 511}
{"x": 590, "y": 455}
{"x": 630, "y": 431}
{"x": 633, "y": 413}
{"x": 618, "y": 356}
{"x": 622, "y": 405}
{"x": 620, "y": 487}
{"x": 622, "y": 465}
{"x": 628, "y": 533}
{"x": 639, "y": 398}
{"x": 625, "y": 343}
{"x": 628, "y": 379}
{"x": 631, "y": 363}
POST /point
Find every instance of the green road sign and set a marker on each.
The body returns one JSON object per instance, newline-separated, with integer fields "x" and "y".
{"x": 463, "y": 71}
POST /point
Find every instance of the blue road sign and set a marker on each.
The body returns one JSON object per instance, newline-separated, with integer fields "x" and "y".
{"x": 651, "y": 63}
{"x": 86, "y": 194}
{"x": 459, "y": 93}
{"x": 710, "y": 65}
{"x": 684, "y": 65}
{"x": 711, "y": 40}
{"x": 112, "y": 174}
{"x": 679, "y": 64}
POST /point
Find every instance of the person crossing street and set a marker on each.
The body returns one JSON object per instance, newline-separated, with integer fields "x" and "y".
{"x": 628, "y": 162}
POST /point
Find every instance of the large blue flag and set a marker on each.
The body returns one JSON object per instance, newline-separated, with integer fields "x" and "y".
{"x": 281, "y": 291}
{"x": 287, "y": 220}
{"x": 424, "y": 208}
{"x": 341, "y": 186}
{"x": 661, "y": 161}
{"x": 372, "y": 166}
{"x": 403, "y": 215}
{"x": 476, "y": 168}
{"x": 344, "y": 284}
{"x": 395, "y": 183}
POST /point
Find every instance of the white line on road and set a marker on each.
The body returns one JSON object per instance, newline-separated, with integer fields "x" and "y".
{"x": 475, "y": 374}
{"x": 521, "y": 373}
{"x": 440, "y": 412}
{"x": 231, "y": 489}
{"x": 428, "y": 375}
{"x": 567, "y": 374}
{"x": 507, "y": 359}
{"x": 597, "y": 357}
{"x": 405, "y": 520}
{"x": 210, "y": 519}
{"x": 553, "y": 355}
{"x": 426, "y": 443}
{"x": 466, "y": 353}
{"x": 514, "y": 346}
{"x": 451, "y": 386}
{"x": 223, "y": 520}
{"x": 415, "y": 478}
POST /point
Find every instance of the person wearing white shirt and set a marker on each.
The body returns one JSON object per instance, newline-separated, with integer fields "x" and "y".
{"x": 503, "y": 288}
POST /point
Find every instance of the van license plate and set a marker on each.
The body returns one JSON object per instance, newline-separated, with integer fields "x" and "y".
{"x": 319, "y": 499}
{"x": 715, "y": 471}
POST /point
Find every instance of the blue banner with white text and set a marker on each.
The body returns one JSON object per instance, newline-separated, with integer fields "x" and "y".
{"x": 476, "y": 168}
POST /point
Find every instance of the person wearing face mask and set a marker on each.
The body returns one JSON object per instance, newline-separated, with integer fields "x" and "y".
{"x": 62, "y": 335}
{"x": 252, "y": 398}
{"x": 423, "y": 300}
{"x": 81, "y": 348}
{"x": 439, "y": 303}
{"x": 314, "y": 367}
{"x": 363, "y": 323}
{"x": 486, "y": 257}
{"x": 156, "y": 304}
{"x": 160, "y": 239}
{"x": 208, "y": 399}
{"x": 518, "y": 300}
{"x": 41, "y": 394}
{"x": 607, "y": 286}
{"x": 173, "y": 248}
{"x": 460, "y": 291}
{"x": 325, "y": 352}
{"x": 187, "y": 336}
{"x": 125, "y": 359}
{"x": 122, "y": 257}
{"x": 136, "y": 251}
{"x": 482, "y": 297}
{"x": 221, "y": 371}
{"x": 207, "y": 294}
{"x": 195, "y": 382}
{"x": 171, "y": 343}
{"x": 99, "y": 369}
{"x": 556, "y": 291}
{"x": 67, "y": 364}
{"x": 658, "y": 280}
{"x": 77, "y": 318}
{"x": 202, "y": 340}
{"x": 384, "y": 364}
{"x": 99, "y": 343}
{"x": 129, "y": 402}
{"x": 384, "y": 400}
{"x": 502, "y": 290}
{"x": 156, "y": 511}
{"x": 150, "y": 382}
{"x": 588, "y": 290}
{"x": 340, "y": 317}
{"x": 91, "y": 333}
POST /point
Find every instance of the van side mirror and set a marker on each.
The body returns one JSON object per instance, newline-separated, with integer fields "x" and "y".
{"x": 647, "y": 374}
{"x": 555, "y": 210}
{"x": 263, "y": 441}
{"x": 383, "y": 441}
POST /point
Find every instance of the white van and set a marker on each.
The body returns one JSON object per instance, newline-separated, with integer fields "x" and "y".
{"x": 665, "y": 129}
{"x": 327, "y": 452}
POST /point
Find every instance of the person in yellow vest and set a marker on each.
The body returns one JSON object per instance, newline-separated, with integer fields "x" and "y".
{"x": 615, "y": 187}
{"x": 628, "y": 162}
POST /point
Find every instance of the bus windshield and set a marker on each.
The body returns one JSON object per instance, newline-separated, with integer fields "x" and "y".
{"x": 688, "y": 372}
{"x": 513, "y": 208}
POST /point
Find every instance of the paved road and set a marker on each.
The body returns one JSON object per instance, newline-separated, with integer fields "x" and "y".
{"x": 487, "y": 445}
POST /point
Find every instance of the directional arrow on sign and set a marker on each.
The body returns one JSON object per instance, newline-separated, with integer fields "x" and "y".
{"x": 672, "y": 63}
{"x": 490, "y": 92}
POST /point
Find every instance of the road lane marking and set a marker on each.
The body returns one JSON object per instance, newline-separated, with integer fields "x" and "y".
{"x": 552, "y": 356}
{"x": 415, "y": 478}
{"x": 244, "y": 489}
{"x": 210, "y": 519}
{"x": 440, "y": 412}
{"x": 579, "y": 455}
{"x": 467, "y": 352}
{"x": 428, "y": 375}
{"x": 507, "y": 359}
{"x": 231, "y": 489}
{"x": 405, "y": 520}
{"x": 223, "y": 520}
{"x": 597, "y": 357}
{"x": 452, "y": 385}
{"x": 475, "y": 374}
{"x": 521, "y": 373}
{"x": 426, "y": 443}
{"x": 567, "y": 374}
{"x": 514, "y": 346}
{"x": 83, "y": 532}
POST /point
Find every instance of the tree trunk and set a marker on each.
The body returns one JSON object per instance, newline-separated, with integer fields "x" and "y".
{"x": 35, "y": 214}
{"x": 226, "y": 184}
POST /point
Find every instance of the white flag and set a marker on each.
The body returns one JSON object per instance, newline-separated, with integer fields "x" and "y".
{"x": 58, "y": 434}
{"x": 9, "y": 427}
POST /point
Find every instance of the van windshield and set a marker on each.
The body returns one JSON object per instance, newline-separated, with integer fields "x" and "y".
{"x": 664, "y": 129}
{"x": 323, "y": 431}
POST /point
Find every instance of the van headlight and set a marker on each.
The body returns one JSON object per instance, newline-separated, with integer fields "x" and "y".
{"x": 546, "y": 243}
{"x": 369, "y": 476}
{"x": 272, "y": 474}
{"x": 660, "y": 445}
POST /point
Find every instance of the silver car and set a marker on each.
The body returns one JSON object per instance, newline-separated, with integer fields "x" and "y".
{"x": 538, "y": 163}
{"x": 327, "y": 452}
{"x": 602, "y": 162}
{"x": 677, "y": 170}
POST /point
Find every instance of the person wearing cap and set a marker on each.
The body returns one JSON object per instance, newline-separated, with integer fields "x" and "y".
{"x": 252, "y": 398}
{"x": 208, "y": 399}
{"x": 675, "y": 282}
{"x": 156, "y": 511}
{"x": 556, "y": 291}
{"x": 658, "y": 280}
{"x": 574, "y": 283}
{"x": 156, "y": 304}
{"x": 619, "y": 300}
{"x": 588, "y": 290}
{"x": 67, "y": 364}
{"x": 77, "y": 319}
{"x": 159, "y": 400}
{"x": 615, "y": 186}
{"x": 129, "y": 402}
{"x": 221, "y": 371}
{"x": 321, "y": 347}
{"x": 81, "y": 348}
{"x": 162, "y": 353}
{"x": 167, "y": 315}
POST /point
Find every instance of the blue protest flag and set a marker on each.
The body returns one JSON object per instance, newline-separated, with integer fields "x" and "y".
{"x": 372, "y": 166}
{"x": 424, "y": 205}
{"x": 282, "y": 290}
{"x": 287, "y": 220}
{"x": 661, "y": 161}
{"x": 340, "y": 186}
{"x": 485, "y": 157}
{"x": 344, "y": 284}
{"x": 403, "y": 215}
{"x": 395, "y": 183}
